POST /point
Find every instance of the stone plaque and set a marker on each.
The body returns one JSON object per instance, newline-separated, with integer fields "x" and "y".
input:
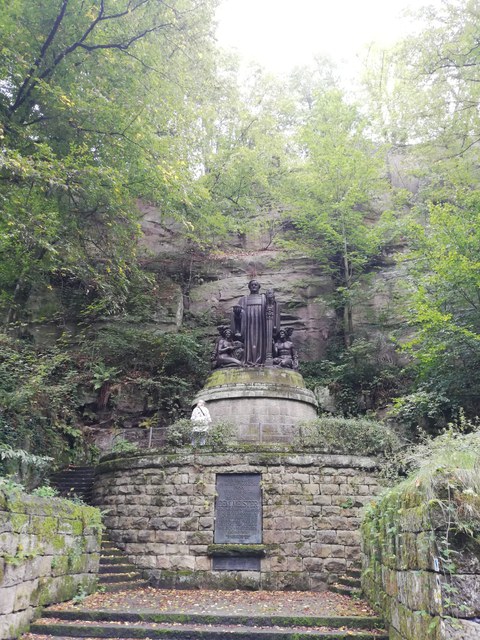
{"x": 238, "y": 509}
{"x": 236, "y": 564}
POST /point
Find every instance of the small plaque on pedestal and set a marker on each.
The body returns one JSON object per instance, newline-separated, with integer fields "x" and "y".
{"x": 238, "y": 509}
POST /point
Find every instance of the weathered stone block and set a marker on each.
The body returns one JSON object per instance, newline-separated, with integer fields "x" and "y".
{"x": 23, "y": 594}
{"x": 203, "y": 563}
{"x": 200, "y": 537}
{"x": 182, "y": 562}
{"x": 328, "y": 551}
{"x": 464, "y": 593}
{"x": 7, "y": 599}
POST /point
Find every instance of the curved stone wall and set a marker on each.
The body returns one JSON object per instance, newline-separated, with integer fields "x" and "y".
{"x": 161, "y": 512}
{"x": 266, "y": 404}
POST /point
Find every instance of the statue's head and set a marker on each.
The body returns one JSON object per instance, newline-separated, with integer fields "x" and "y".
{"x": 254, "y": 286}
{"x": 227, "y": 333}
{"x": 282, "y": 334}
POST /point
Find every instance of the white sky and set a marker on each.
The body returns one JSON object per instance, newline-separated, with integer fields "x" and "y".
{"x": 281, "y": 34}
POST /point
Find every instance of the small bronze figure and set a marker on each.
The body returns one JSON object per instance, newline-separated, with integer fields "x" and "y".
{"x": 228, "y": 352}
{"x": 284, "y": 353}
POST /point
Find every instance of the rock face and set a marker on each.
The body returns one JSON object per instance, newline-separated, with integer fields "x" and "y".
{"x": 213, "y": 283}
{"x": 201, "y": 288}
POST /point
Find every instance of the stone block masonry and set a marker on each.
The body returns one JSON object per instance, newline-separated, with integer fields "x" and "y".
{"x": 424, "y": 581}
{"x": 49, "y": 548}
{"x": 161, "y": 512}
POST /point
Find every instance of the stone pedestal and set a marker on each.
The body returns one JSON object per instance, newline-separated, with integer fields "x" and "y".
{"x": 266, "y": 404}
{"x": 163, "y": 511}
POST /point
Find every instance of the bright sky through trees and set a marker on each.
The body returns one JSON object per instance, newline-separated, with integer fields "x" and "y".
{"x": 280, "y": 34}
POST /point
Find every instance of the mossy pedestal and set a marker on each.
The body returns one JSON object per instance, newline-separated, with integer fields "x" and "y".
{"x": 266, "y": 404}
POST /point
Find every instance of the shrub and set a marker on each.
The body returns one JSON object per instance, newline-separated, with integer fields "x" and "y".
{"x": 45, "y": 491}
{"x": 422, "y": 409}
{"x": 124, "y": 446}
{"x": 347, "y": 436}
{"x": 219, "y": 437}
{"x": 443, "y": 483}
{"x": 179, "y": 434}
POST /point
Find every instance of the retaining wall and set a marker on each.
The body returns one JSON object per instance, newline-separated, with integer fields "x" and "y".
{"x": 424, "y": 581}
{"x": 49, "y": 549}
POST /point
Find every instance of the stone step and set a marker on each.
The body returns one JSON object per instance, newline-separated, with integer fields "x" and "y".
{"x": 113, "y": 558}
{"x": 265, "y": 620}
{"x": 182, "y": 631}
{"x": 349, "y": 581}
{"x": 117, "y": 567}
{"x": 128, "y": 585}
{"x": 74, "y": 481}
{"x": 354, "y": 573}
{"x": 343, "y": 589}
{"x": 124, "y": 576}
{"x": 112, "y": 552}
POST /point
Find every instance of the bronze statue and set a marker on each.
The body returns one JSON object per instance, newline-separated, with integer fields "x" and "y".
{"x": 228, "y": 352}
{"x": 254, "y": 322}
{"x": 254, "y": 338}
{"x": 284, "y": 353}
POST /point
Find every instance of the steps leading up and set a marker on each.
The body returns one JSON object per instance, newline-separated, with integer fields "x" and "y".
{"x": 116, "y": 573}
{"x": 349, "y": 584}
{"x": 126, "y": 625}
{"x": 74, "y": 482}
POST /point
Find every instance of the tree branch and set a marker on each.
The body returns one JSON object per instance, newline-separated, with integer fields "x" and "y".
{"x": 48, "y": 41}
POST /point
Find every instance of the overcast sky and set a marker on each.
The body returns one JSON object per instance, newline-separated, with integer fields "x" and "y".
{"x": 280, "y": 34}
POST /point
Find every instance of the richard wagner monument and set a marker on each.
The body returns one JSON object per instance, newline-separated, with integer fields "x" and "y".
{"x": 255, "y": 384}
{"x": 262, "y": 515}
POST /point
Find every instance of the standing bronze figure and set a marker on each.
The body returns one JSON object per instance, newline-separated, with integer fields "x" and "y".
{"x": 255, "y": 320}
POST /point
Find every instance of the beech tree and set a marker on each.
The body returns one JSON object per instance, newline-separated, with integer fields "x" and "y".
{"x": 98, "y": 102}
{"x": 427, "y": 98}
{"x": 334, "y": 189}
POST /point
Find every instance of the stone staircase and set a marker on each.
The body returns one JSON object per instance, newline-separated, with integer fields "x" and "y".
{"x": 74, "y": 482}
{"x": 116, "y": 573}
{"x": 189, "y": 626}
{"x": 349, "y": 584}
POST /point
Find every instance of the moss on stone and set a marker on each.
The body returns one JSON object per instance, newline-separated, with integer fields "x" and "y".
{"x": 246, "y": 376}
{"x": 237, "y": 550}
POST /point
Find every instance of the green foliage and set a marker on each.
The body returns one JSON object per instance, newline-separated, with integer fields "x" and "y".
{"x": 331, "y": 198}
{"x": 124, "y": 446}
{"x": 426, "y": 410}
{"x": 443, "y": 479}
{"x": 95, "y": 113}
{"x": 347, "y": 435}
{"x": 8, "y": 485}
{"x": 102, "y": 374}
{"x": 169, "y": 367}
{"x": 38, "y": 399}
{"x": 45, "y": 491}
{"x": 22, "y": 465}
{"x": 179, "y": 434}
{"x": 426, "y": 95}
{"x": 42, "y": 391}
{"x": 219, "y": 436}
{"x": 80, "y": 596}
{"x": 362, "y": 377}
